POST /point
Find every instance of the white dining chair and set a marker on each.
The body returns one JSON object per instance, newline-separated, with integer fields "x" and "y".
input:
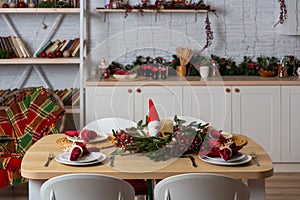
{"x": 198, "y": 186}
{"x": 86, "y": 186}
{"x": 105, "y": 125}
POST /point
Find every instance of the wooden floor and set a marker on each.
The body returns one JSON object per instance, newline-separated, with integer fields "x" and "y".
{"x": 281, "y": 186}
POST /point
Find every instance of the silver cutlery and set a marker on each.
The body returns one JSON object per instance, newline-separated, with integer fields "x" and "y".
{"x": 50, "y": 157}
{"x": 193, "y": 161}
{"x": 112, "y": 161}
{"x": 254, "y": 157}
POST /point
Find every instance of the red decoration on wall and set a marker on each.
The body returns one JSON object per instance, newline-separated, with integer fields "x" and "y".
{"x": 283, "y": 12}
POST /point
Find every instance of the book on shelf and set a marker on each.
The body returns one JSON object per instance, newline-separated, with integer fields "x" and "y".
{"x": 71, "y": 99}
{"x": 4, "y": 44}
{"x": 68, "y": 45}
{"x": 76, "y": 49}
{"x": 63, "y": 46}
{"x": 58, "y": 92}
{"x": 62, "y": 43}
{"x": 43, "y": 48}
{"x": 71, "y": 48}
{"x": 69, "y": 91}
{"x": 68, "y": 2}
{"x": 69, "y": 96}
{"x": 62, "y": 93}
{"x": 23, "y": 48}
{"x": 75, "y": 3}
{"x": 53, "y": 47}
{"x": 10, "y": 49}
{"x": 13, "y": 46}
{"x": 19, "y": 53}
{"x": 76, "y": 98}
{"x": 1, "y": 45}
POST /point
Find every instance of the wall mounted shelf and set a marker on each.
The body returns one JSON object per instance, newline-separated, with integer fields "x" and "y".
{"x": 151, "y": 11}
{"x": 39, "y": 10}
{"x": 106, "y": 11}
{"x": 46, "y": 61}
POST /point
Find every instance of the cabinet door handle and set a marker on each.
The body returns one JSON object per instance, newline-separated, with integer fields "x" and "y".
{"x": 237, "y": 90}
{"x": 138, "y": 90}
{"x": 228, "y": 90}
{"x": 129, "y": 90}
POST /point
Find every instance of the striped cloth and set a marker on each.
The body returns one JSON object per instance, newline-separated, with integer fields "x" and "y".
{"x": 21, "y": 125}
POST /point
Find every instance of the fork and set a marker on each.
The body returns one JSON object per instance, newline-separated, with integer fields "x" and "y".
{"x": 50, "y": 157}
{"x": 112, "y": 161}
{"x": 254, "y": 157}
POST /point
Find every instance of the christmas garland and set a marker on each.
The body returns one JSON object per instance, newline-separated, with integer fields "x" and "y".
{"x": 159, "y": 5}
{"x": 184, "y": 140}
{"x": 4, "y": 54}
{"x": 52, "y": 4}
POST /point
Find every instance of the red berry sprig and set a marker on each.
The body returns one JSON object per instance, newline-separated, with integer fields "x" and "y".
{"x": 283, "y": 12}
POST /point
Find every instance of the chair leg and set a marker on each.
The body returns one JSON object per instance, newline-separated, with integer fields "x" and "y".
{"x": 140, "y": 197}
{"x": 150, "y": 189}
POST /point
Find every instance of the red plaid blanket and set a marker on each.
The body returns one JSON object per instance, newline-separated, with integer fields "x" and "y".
{"x": 21, "y": 125}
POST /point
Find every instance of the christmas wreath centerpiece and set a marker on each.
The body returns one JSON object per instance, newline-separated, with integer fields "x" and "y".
{"x": 182, "y": 138}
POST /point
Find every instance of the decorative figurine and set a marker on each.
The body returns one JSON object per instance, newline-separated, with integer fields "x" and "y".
{"x": 153, "y": 120}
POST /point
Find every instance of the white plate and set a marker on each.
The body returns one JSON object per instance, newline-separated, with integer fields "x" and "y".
{"x": 100, "y": 137}
{"x": 236, "y": 157}
{"x": 92, "y": 158}
{"x": 105, "y": 125}
{"x": 246, "y": 159}
{"x": 126, "y": 76}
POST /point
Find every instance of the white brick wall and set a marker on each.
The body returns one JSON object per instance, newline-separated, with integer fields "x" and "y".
{"x": 241, "y": 28}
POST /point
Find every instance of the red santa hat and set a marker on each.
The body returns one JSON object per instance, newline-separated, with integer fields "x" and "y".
{"x": 152, "y": 115}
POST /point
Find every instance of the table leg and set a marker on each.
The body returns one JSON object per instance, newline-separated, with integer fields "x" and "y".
{"x": 151, "y": 184}
{"x": 34, "y": 186}
{"x": 257, "y": 189}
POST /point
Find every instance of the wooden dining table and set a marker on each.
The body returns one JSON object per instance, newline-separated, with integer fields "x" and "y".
{"x": 138, "y": 166}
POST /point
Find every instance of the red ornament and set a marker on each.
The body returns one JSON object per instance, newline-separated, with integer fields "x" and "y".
{"x": 21, "y": 4}
{"x": 50, "y": 55}
{"x": 43, "y": 55}
{"x": 5, "y": 5}
{"x": 58, "y": 54}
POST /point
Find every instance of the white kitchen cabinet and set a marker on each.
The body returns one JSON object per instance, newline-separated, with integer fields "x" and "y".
{"x": 211, "y": 104}
{"x": 131, "y": 102}
{"x": 290, "y": 135}
{"x": 256, "y": 113}
{"x": 253, "y": 111}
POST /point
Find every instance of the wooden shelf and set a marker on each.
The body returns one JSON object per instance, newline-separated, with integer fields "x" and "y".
{"x": 72, "y": 109}
{"x": 151, "y": 11}
{"x": 39, "y": 10}
{"x": 48, "y": 61}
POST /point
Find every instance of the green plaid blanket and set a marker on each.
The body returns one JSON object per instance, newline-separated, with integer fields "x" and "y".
{"x": 21, "y": 125}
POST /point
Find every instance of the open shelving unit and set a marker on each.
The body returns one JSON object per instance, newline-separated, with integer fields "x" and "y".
{"x": 36, "y": 62}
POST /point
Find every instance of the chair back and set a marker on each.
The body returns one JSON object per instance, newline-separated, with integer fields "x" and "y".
{"x": 105, "y": 125}
{"x": 86, "y": 186}
{"x": 197, "y": 186}
{"x": 17, "y": 95}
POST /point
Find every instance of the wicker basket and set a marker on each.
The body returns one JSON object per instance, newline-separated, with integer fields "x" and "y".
{"x": 264, "y": 73}
{"x": 63, "y": 143}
